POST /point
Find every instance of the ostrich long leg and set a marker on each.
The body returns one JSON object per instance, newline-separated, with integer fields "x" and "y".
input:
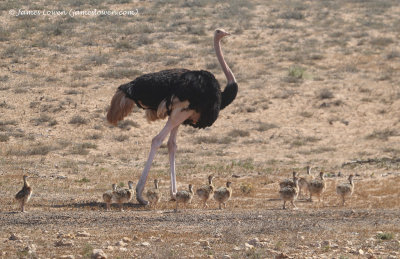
{"x": 175, "y": 119}
{"x": 172, "y": 150}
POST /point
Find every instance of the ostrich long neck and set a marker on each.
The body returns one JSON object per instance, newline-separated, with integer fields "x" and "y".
{"x": 227, "y": 71}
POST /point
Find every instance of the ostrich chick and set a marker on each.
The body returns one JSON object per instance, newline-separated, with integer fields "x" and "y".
{"x": 303, "y": 182}
{"x": 154, "y": 195}
{"x": 223, "y": 194}
{"x": 24, "y": 194}
{"x": 345, "y": 189}
{"x": 108, "y": 196}
{"x": 288, "y": 182}
{"x": 123, "y": 195}
{"x": 184, "y": 197}
{"x": 289, "y": 193}
{"x": 205, "y": 192}
{"x": 317, "y": 187}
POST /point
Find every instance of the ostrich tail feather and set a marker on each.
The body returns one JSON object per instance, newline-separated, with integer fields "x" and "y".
{"x": 120, "y": 107}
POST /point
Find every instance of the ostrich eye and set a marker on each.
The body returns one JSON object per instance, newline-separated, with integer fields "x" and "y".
{"x": 218, "y": 31}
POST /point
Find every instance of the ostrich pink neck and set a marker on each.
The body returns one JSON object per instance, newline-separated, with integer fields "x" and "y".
{"x": 227, "y": 71}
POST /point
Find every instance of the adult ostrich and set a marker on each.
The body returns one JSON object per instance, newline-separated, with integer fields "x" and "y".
{"x": 187, "y": 97}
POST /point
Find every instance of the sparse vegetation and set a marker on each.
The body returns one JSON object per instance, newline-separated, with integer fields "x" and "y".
{"x": 385, "y": 236}
{"x": 4, "y": 138}
{"x": 121, "y": 138}
{"x": 78, "y": 120}
{"x": 383, "y": 134}
{"x": 246, "y": 188}
{"x": 318, "y": 84}
{"x": 325, "y": 94}
{"x": 238, "y": 133}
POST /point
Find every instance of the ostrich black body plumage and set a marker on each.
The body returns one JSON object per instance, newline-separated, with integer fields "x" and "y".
{"x": 199, "y": 88}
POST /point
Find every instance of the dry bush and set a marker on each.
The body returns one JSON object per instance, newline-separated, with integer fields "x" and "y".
{"x": 121, "y": 138}
{"x": 383, "y": 134}
{"x": 325, "y": 94}
{"x": 118, "y": 73}
{"x": 78, "y": 120}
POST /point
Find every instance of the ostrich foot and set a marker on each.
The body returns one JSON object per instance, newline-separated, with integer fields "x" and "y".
{"x": 139, "y": 197}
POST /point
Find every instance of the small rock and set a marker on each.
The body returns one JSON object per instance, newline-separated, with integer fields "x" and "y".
{"x": 254, "y": 241}
{"x": 120, "y": 243}
{"x": 126, "y": 239}
{"x": 111, "y": 248}
{"x": 67, "y": 257}
{"x": 31, "y": 249}
{"x": 236, "y": 248}
{"x": 346, "y": 249}
{"x": 361, "y": 252}
{"x": 146, "y": 244}
{"x": 123, "y": 249}
{"x": 226, "y": 257}
{"x": 98, "y": 254}
{"x": 207, "y": 247}
{"x": 62, "y": 235}
{"x": 204, "y": 243}
{"x": 14, "y": 237}
{"x": 302, "y": 238}
{"x": 281, "y": 256}
{"x": 82, "y": 234}
{"x": 218, "y": 235}
{"x": 247, "y": 246}
{"x": 63, "y": 242}
{"x": 334, "y": 246}
{"x": 272, "y": 252}
{"x": 326, "y": 243}
{"x": 196, "y": 243}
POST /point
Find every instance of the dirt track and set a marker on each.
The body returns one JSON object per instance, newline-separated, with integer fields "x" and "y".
{"x": 345, "y": 231}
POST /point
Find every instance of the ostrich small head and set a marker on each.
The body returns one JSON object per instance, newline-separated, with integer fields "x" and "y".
{"x": 228, "y": 184}
{"x": 351, "y": 178}
{"x": 190, "y": 188}
{"x": 25, "y": 177}
{"x": 321, "y": 175}
{"x": 114, "y": 186}
{"x": 130, "y": 184}
{"x": 220, "y": 33}
{"x": 294, "y": 174}
{"x": 308, "y": 170}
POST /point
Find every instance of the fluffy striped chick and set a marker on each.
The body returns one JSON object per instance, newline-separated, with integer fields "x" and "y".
{"x": 289, "y": 193}
{"x": 108, "y": 196}
{"x": 184, "y": 197}
{"x": 223, "y": 194}
{"x": 303, "y": 182}
{"x": 288, "y": 182}
{"x": 205, "y": 192}
{"x": 317, "y": 186}
{"x": 154, "y": 195}
{"x": 123, "y": 195}
{"x": 24, "y": 194}
{"x": 345, "y": 189}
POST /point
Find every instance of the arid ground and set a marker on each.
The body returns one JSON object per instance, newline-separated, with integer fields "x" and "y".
{"x": 319, "y": 85}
